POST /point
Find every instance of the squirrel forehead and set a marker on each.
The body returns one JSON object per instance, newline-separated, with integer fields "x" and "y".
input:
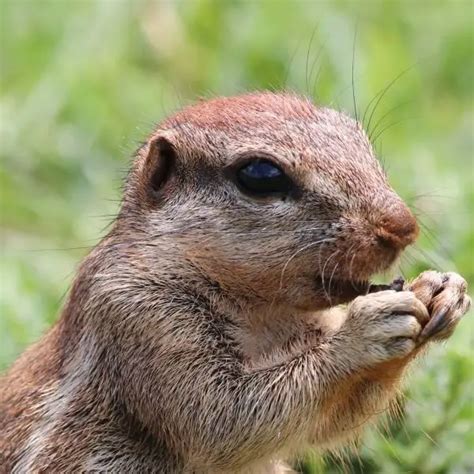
{"x": 286, "y": 125}
{"x": 226, "y": 112}
{"x": 259, "y": 112}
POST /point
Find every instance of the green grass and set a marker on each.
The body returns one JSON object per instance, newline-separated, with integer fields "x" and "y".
{"x": 83, "y": 82}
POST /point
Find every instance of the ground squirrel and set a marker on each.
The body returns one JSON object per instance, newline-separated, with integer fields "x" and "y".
{"x": 224, "y": 324}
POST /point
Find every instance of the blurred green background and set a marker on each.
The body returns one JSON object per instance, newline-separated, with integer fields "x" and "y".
{"x": 82, "y": 82}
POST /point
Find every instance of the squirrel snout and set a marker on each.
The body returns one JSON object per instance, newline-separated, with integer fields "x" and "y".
{"x": 397, "y": 228}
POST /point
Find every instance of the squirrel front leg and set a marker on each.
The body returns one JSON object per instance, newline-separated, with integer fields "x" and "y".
{"x": 372, "y": 392}
{"x": 221, "y": 418}
{"x": 386, "y": 325}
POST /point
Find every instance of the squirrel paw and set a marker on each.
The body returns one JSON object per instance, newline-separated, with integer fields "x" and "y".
{"x": 385, "y": 324}
{"x": 444, "y": 294}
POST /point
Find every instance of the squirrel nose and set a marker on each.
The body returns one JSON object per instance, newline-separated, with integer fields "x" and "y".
{"x": 397, "y": 228}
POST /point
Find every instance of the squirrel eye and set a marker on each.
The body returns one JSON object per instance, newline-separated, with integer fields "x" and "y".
{"x": 262, "y": 178}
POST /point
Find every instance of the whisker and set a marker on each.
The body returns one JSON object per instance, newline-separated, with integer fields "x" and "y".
{"x": 397, "y": 122}
{"x": 401, "y": 271}
{"x": 427, "y": 258}
{"x": 64, "y": 249}
{"x": 431, "y": 194}
{"x": 410, "y": 259}
{"x": 315, "y": 80}
{"x": 352, "y": 75}
{"x": 332, "y": 276}
{"x": 351, "y": 266}
{"x": 308, "y": 52}
{"x": 322, "y": 275}
{"x": 286, "y": 75}
{"x": 311, "y": 244}
{"x": 382, "y": 93}
{"x": 384, "y": 116}
{"x": 434, "y": 241}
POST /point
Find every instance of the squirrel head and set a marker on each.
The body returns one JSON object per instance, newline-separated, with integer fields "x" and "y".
{"x": 268, "y": 196}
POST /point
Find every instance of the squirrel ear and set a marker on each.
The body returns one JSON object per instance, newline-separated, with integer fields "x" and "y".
{"x": 159, "y": 163}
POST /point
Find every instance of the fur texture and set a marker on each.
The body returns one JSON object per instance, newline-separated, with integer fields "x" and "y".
{"x": 205, "y": 333}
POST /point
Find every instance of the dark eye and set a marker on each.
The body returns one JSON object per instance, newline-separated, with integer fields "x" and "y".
{"x": 261, "y": 177}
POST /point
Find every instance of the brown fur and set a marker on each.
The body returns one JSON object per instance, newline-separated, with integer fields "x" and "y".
{"x": 203, "y": 333}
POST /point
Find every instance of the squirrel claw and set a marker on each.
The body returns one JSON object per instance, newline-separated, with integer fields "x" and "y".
{"x": 437, "y": 323}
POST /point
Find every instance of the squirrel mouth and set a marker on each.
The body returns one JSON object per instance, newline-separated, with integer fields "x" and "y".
{"x": 337, "y": 291}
